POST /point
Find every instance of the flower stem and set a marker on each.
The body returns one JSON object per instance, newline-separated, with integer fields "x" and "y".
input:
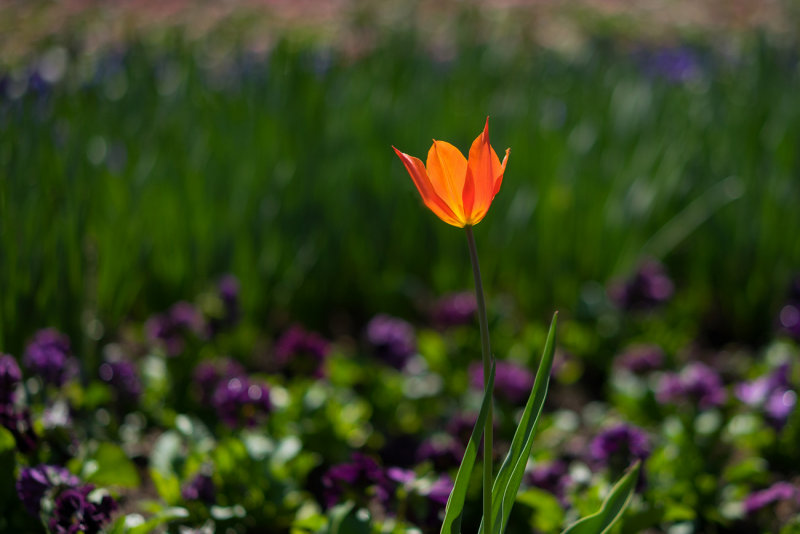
{"x": 486, "y": 353}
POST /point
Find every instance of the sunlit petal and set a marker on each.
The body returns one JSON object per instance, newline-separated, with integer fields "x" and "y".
{"x": 416, "y": 169}
{"x": 447, "y": 169}
{"x": 485, "y": 167}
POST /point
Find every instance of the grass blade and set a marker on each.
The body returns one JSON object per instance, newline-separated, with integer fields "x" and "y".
{"x": 509, "y": 477}
{"x": 455, "y": 503}
{"x": 615, "y": 504}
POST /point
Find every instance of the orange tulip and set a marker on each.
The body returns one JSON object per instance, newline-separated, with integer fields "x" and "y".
{"x": 457, "y": 190}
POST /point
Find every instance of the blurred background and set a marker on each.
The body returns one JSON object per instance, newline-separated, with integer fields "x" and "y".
{"x": 149, "y": 147}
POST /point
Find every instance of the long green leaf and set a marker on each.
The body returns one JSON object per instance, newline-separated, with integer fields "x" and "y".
{"x": 612, "y": 509}
{"x": 509, "y": 477}
{"x": 455, "y": 503}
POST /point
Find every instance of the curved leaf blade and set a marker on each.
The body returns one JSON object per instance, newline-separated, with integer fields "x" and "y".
{"x": 613, "y": 507}
{"x": 455, "y": 503}
{"x": 509, "y": 477}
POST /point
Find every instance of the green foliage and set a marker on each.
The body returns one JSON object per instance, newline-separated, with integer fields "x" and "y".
{"x": 451, "y": 524}
{"x": 509, "y": 477}
{"x": 548, "y": 516}
{"x": 275, "y": 173}
{"x": 612, "y": 509}
{"x": 110, "y": 466}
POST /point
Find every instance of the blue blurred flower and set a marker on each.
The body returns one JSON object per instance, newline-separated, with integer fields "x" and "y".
{"x": 771, "y": 393}
{"x": 696, "y": 383}
{"x": 48, "y": 355}
{"x": 455, "y": 309}
{"x": 393, "y": 339}
{"x": 301, "y": 353}
{"x": 676, "y": 65}
{"x": 10, "y": 377}
{"x": 648, "y": 288}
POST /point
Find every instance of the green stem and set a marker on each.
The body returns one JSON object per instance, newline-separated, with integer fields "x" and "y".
{"x": 486, "y": 353}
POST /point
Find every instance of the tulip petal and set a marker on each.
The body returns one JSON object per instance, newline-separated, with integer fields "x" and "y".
{"x": 468, "y": 196}
{"x": 498, "y": 180}
{"x": 416, "y": 169}
{"x": 447, "y": 170}
{"x": 487, "y": 173}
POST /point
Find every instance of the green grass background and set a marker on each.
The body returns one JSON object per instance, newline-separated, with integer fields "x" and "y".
{"x": 129, "y": 188}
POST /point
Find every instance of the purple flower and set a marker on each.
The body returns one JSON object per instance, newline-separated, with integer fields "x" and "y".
{"x": 170, "y": 329}
{"x": 77, "y": 510}
{"x": 361, "y": 479}
{"x": 648, "y": 288}
{"x": 436, "y": 496}
{"x": 553, "y": 478}
{"x": 512, "y": 381}
{"x": 780, "y": 491}
{"x": 34, "y": 482}
{"x": 455, "y": 309}
{"x": 208, "y": 374}
{"x": 404, "y": 477}
{"x": 771, "y": 393}
{"x": 696, "y": 383}
{"x": 393, "y": 339}
{"x": 755, "y": 392}
{"x": 779, "y": 406}
{"x": 200, "y": 488}
{"x": 240, "y": 402}
{"x": 48, "y": 355}
{"x": 10, "y": 376}
{"x": 619, "y": 446}
{"x": 440, "y": 490}
{"x": 301, "y": 353}
{"x": 641, "y": 359}
{"x": 123, "y": 377}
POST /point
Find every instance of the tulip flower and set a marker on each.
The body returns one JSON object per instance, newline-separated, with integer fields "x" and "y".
{"x": 457, "y": 190}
